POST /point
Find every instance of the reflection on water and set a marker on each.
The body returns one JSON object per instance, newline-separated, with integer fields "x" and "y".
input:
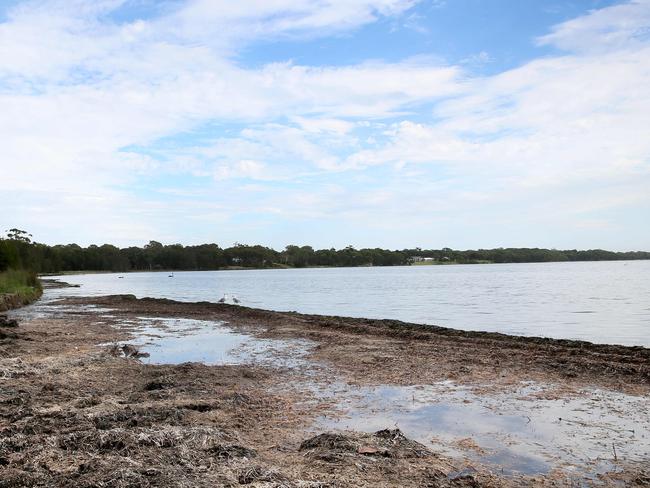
{"x": 520, "y": 433}
{"x": 175, "y": 341}
{"x": 606, "y": 302}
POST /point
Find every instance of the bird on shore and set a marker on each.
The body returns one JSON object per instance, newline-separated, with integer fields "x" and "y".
{"x": 228, "y": 298}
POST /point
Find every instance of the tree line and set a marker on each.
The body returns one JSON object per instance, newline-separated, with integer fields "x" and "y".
{"x": 19, "y": 251}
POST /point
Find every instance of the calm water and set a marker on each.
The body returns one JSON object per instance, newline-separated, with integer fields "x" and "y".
{"x": 606, "y": 302}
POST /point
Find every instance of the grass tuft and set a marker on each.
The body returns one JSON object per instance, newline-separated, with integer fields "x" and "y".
{"x": 24, "y": 284}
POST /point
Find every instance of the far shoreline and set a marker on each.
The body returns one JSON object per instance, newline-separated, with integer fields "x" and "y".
{"x": 274, "y": 268}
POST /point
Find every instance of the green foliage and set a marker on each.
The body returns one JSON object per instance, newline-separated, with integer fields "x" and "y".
{"x": 23, "y": 283}
{"x": 16, "y": 278}
{"x": 19, "y": 252}
{"x": 4, "y": 256}
{"x": 19, "y": 235}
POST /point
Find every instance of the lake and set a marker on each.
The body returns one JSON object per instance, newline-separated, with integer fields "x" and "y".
{"x": 604, "y": 302}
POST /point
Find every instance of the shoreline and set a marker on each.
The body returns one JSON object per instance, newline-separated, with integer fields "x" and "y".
{"x": 567, "y": 358}
{"x": 18, "y": 288}
{"x": 379, "y": 326}
{"x": 13, "y": 301}
{"x": 75, "y": 411}
{"x": 393, "y": 324}
{"x": 285, "y": 267}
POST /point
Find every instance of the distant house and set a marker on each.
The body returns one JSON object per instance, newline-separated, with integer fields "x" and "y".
{"x": 421, "y": 259}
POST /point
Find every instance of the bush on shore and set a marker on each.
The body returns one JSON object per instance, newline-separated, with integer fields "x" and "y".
{"x": 24, "y": 284}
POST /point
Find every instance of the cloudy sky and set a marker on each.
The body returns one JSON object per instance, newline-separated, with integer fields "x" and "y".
{"x": 392, "y": 123}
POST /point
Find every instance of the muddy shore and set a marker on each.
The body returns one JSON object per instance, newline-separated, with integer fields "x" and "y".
{"x": 77, "y": 408}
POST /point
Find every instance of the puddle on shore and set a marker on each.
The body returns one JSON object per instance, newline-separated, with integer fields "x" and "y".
{"x": 175, "y": 341}
{"x": 516, "y": 433}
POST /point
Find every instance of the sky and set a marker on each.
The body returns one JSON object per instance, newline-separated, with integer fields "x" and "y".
{"x": 372, "y": 123}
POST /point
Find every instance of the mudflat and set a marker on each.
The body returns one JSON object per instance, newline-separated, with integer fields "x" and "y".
{"x": 118, "y": 391}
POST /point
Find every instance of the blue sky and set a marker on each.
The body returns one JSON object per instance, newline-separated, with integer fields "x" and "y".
{"x": 391, "y": 123}
{"x": 456, "y": 32}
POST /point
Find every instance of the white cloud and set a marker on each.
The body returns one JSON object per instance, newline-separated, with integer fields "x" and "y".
{"x": 254, "y": 19}
{"x": 78, "y": 92}
{"x": 607, "y": 29}
{"x": 324, "y": 125}
{"x": 245, "y": 168}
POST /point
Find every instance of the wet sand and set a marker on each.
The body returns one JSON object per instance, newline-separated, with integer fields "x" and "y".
{"x": 285, "y": 399}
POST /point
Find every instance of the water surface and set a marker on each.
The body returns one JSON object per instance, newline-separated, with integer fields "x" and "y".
{"x": 605, "y": 302}
{"x": 180, "y": 340}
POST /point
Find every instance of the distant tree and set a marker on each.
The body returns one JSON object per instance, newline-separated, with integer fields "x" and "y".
{"x": 18, "y": 250}
{"x": 152, "y": 252}
{"x": 4, "y": 257}
{"x": 19, "y": 235}
{"x": 297, "y": 256}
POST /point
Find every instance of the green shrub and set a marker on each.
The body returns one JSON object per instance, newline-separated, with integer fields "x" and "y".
{"x": 21, "y": 282}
